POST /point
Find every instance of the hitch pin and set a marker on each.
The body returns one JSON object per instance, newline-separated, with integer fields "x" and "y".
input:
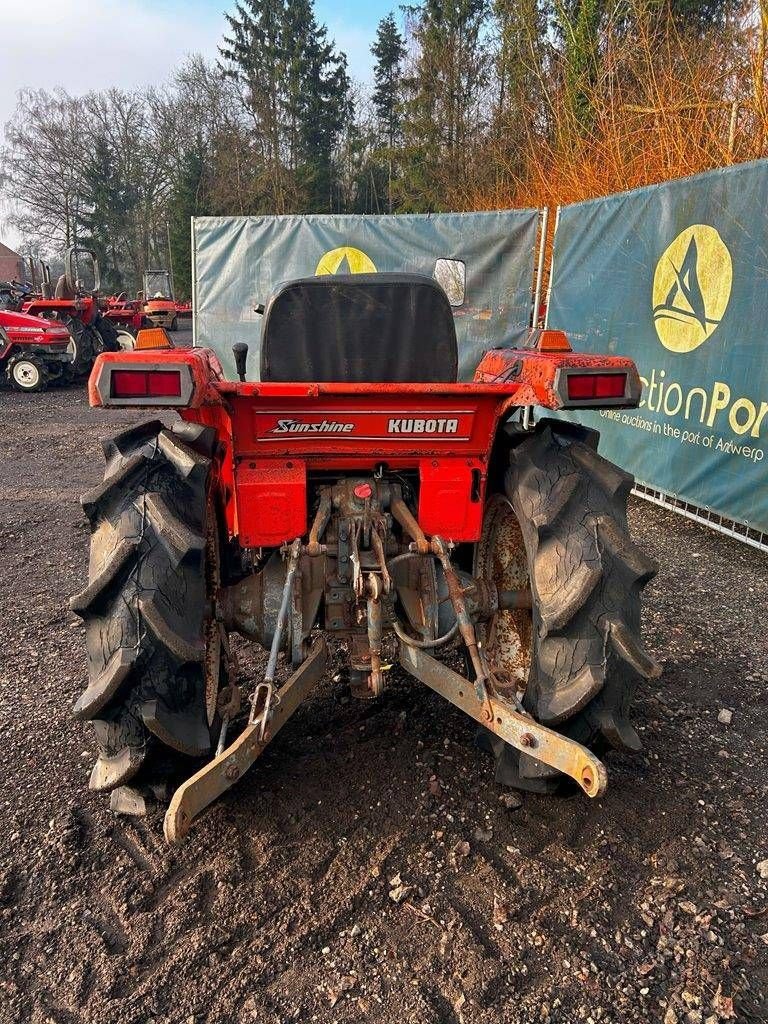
{"x": 267, "y": 686}
{"x": 262, "y": 716}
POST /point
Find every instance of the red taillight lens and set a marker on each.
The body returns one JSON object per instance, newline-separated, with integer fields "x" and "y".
{"x": 164, "y": 384}
{"x": 146, "y": 384}
{"x": 129, "y": 384}
{"x": 583, "y": 387}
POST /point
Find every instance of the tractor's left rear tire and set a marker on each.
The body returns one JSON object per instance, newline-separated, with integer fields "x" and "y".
{"x": 155, "y": 659}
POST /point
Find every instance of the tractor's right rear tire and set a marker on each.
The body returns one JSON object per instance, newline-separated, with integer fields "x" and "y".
{"x": 561, "y": 529}
{"x": 155, "y": 664}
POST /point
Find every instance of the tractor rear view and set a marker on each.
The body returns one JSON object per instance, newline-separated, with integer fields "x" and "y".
{"x": 78, "y": 308}
{"x": 358, "y": 494}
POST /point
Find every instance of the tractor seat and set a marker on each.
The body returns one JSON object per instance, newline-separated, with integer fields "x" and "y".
{"x": 360, "y": 328}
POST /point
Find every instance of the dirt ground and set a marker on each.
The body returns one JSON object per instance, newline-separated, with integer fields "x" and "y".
{"x": 367, "y": 869}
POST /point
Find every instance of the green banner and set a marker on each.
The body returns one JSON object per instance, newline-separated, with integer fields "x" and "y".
{"x": 485, "y": 262}
{"x": 675, "y": 276}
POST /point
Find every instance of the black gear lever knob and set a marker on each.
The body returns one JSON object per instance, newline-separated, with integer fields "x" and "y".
{"x": 240, "y": 350}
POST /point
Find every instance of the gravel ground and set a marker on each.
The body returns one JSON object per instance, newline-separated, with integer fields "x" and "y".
{"x": 369, "y": 866}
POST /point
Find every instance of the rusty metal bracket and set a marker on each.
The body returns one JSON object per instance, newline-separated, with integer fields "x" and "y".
{"x": 223, "y": 771}
{"x": 498, "y": 715}
{"x": 466, "y": 627}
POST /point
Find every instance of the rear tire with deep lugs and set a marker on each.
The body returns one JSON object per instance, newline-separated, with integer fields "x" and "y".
{"x": 152, "y": 679}
{"x": 586, "y": 575}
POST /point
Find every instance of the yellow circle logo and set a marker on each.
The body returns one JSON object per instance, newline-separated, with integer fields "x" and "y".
{"x": 691, "y": 288}
{"x": 345, "y": 260}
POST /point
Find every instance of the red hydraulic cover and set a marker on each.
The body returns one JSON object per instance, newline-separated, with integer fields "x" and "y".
{"x": 444, "y": 432}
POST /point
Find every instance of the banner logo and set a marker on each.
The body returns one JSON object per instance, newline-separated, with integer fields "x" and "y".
{"x": 691, "y": 288}
{"x": 345, "y": 260}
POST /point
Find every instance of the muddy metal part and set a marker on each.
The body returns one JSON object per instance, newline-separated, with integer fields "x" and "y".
{"x": 466, "y": 626}
{"x": 492, "y": 711}
{"x": 356, "y": 571}
{"x": 358, "y": 568}
{"x": 501, "y": 560}
{"x": 227, "y": 767}
{"x": 515, "y": 728}
{"x": 345, "y": 567}
{"x": 251, "y": 606}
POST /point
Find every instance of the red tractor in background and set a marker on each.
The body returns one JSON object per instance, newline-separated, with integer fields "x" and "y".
{"x": 159, "y": 304}
{"x": 33, "y": 352}
{"x": 154, "y": 306}
{"x": 358, "y": 492}
{"x": 127, "y": 317}
{"x": 79, "y": 310}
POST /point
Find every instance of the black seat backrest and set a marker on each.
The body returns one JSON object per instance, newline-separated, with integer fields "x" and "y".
{"x": 359, "y": 328}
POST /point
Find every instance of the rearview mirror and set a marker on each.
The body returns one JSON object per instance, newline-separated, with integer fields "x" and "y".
{"x": 451, "y": 275}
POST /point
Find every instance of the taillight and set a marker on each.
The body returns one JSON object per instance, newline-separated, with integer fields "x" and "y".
{"x": 146, "y": 384}
{"x": 584, "y": 387}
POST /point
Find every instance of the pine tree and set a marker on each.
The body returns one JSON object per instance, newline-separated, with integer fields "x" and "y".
{"x": 389, "y": 50}
{"x": 256, "y": 58}
{"x": 520, "y": 30}
{"x": 295, "y": 89}
{"x": 444, "y": 112}
{"x": 107, "y": 203}
{"x": 322, "y": 106}
{"x": 580, "y": 26}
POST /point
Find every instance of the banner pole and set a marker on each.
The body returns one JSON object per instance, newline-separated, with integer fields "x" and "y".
{"x": 194, "y": 280}
{"x": 551, "y": 269}
{"x": 540, "y": 266}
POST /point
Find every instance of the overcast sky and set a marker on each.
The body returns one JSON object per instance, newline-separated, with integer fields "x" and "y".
{"x": 94, "y": 44}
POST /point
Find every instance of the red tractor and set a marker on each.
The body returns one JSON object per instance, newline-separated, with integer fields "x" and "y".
{"x": 33, "y": 352}
{"x": 159, "y": 304}
{"x": 358, "y": 492}
{"x": 79, "y": 310}
{"x": 127, "y": 317}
